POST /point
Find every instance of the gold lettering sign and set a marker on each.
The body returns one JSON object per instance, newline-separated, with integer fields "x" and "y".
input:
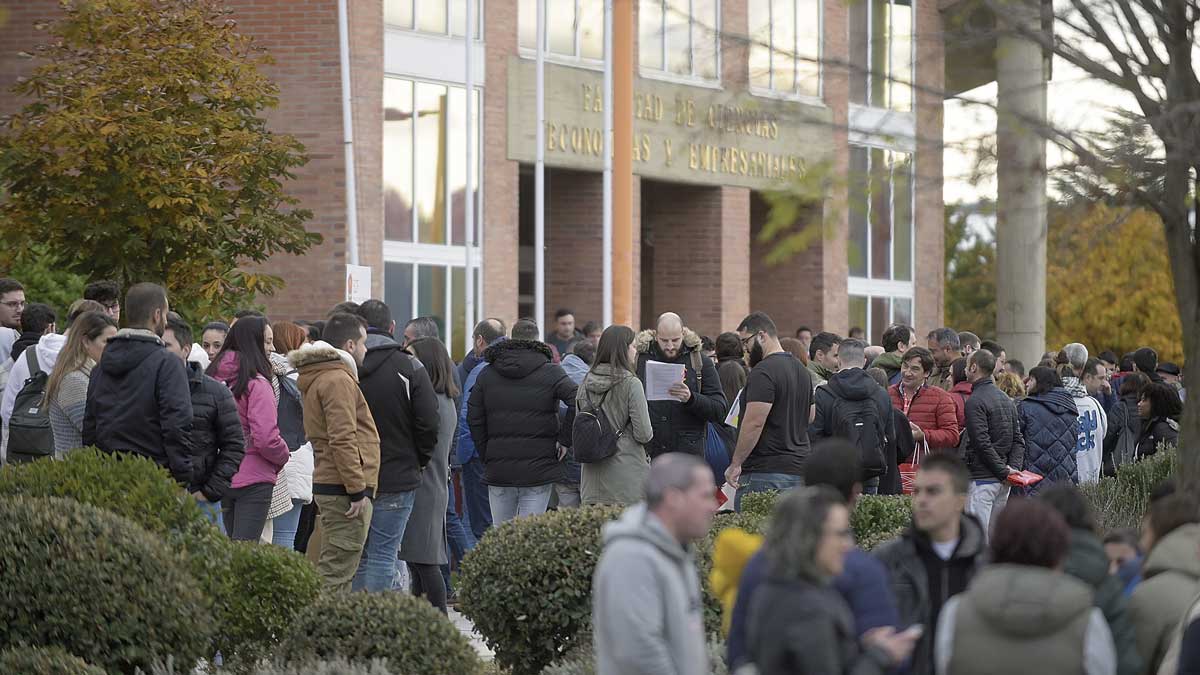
{"x": 681, "y": 133}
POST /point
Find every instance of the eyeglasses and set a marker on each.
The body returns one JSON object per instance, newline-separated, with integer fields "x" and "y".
{"x": 746, "y": 340}
{"x": 14, "y": 304}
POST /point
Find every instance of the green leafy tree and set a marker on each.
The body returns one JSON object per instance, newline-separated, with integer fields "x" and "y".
{"x": 143, "y": 155}
{"x": 970, "y": 273}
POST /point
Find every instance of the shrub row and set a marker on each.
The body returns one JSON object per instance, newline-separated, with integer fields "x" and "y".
{"x": 1120, "y": 502}
{"x": 149, "y": 579}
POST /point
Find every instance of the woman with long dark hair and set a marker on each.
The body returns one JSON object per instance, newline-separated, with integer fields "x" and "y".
{"x": 612, "y": 386}
{"x": 1159, "y": 406}
{"x": 1124, "y": 424}
{"x": 1050, "y": 425}
{"x": 66, "y": 390}
{"x": 424, "y": 544}
{"x": 243, "y": 365}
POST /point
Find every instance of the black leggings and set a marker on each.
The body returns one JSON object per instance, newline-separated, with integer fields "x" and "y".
{"x": 427, "y": 581}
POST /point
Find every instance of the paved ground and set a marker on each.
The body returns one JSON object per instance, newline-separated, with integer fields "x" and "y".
{"x": 464, "y": 626}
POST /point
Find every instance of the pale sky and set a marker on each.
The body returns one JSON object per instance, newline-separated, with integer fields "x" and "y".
{"x": 1075, "y": 102}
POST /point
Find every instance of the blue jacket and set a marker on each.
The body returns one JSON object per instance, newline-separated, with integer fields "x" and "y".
{"x": 576, "y": 370}
{"x": 466, "y": 444}
{"x": 863, "y": 583}
{"x": 1050, "y": 424}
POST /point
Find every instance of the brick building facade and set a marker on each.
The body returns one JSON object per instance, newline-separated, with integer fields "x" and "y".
{"x": 831, "y": 78}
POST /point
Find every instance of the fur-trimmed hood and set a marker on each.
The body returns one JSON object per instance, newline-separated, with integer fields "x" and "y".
{"x": 516, "y": 359}
{"x": 645, "y": 341}
{"x": 320, "y": 352}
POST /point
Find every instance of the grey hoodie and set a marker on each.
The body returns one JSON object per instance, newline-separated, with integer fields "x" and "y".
{"x": 647, "y": 612}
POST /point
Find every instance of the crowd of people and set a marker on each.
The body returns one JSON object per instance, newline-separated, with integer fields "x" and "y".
{"x": 365, "y": 446}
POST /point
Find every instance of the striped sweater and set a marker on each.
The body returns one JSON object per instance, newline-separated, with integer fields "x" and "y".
{"x": 66, "y": 410}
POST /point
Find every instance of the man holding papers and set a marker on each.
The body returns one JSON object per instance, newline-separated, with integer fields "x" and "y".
{"x": 683, "y": 389}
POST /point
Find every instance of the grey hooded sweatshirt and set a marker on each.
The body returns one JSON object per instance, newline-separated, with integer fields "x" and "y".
{"x": 618, "y": 479}
{"x": 647, "y": 613}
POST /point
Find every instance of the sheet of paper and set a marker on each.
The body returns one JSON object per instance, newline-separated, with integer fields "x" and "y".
{"x": 659, "y": 379}
{"x": 735, "y": 411}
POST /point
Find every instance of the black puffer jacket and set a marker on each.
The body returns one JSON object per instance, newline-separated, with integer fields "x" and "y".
{"x": 993, "y": 432}
{"x": 400, "y": 396}
{"x": 217, "y": 441}
{"x": 513, "y": 414}
{"x": 680, "y": 427}
{"x": 138, "y": 401}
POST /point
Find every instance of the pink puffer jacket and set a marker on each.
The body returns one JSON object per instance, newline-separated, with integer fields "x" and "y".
{"x": 266, "y": 451}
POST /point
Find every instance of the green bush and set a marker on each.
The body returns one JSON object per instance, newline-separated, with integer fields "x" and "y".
{"x": 95, "y": 584}
{"x": 128, "y": 485}
{"x": 582, "y": 661}
{"x": 527, "y": 586}
{"x": 258, "y": 597}
{"x": 415, "y": 638}
{"x": 25, "y": 660}
{"x": 1120, "y": 502}
{"x": 315, "y": 667}
{"x": 877, "y": 518}
{"x": 253, "y": 592}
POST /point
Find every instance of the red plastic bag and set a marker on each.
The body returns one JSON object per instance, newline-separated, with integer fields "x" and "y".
{"x": 908, "y": 470}
{"x": 1024, "y": 478}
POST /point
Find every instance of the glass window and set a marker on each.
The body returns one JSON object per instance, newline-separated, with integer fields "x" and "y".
{"x": 858, "y": 312}
{"x": 431, "y": 294}
{"x": 786, "y": 46}
{"x": 856, "y": 246}
{"x": 431, "y": 157}
{"x": 881, "y": 215}
{"x": 424, "y": 162}
{"x": 440, "y": 17}
{"x": 875, "y": 313}
{"x": 398, "y": 159}
{"x": 879, "y": 243}
{"x": 397, "y": 290}
{"x": 902, "y": 216}
{"x": 574, "y": 30}
{"x": 458, "y": 312}
{"x": 679, "y": 37}
{"x": 881, "y": 309}
{"x": 881, "y": 53}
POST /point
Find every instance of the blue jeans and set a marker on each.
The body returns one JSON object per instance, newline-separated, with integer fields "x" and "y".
{"x": 459, "y": 538}
{"x": 475, "y": 496}
{"x": 212, "y": 511}
{"x": 515, "y": 502}
{"x": 283, "y": 532}
{"x": 377, "y": 569}
{"x": 765, "y": 482}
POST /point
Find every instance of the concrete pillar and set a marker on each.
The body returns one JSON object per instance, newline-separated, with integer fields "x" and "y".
{"x": 1021, "y": 195}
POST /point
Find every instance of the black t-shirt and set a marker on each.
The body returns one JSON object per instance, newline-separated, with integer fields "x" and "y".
{"x": 781, "y": 380}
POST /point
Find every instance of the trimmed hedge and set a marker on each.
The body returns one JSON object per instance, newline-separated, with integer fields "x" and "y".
{"x": 582, "y": 661}
{"x": 527, "y": 585}
{"x": 97, "y": 585}
{"x": 128, "y": 485}
{"x": 25, "y": 660}
{"x": 254, "y": 592}
{"x": 407, "y": 631}
{"x": 319, "y": 667}
{"x": 261, "y": 593}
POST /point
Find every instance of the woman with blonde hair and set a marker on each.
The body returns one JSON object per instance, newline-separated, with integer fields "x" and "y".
{"x": 66, "y": 390}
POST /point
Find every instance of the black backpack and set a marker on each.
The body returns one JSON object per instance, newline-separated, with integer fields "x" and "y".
{"x": 291, "y": 413}
{"x": 859, "y": 423}
{"x": 29, "y": 434}
{"x": 593, "y": 438}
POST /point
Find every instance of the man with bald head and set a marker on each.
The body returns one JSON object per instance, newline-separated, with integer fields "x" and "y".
{"x": 680, "y": 425}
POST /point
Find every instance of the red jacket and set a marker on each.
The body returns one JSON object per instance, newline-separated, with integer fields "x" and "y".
{"x": 960, "y": 393}
{"x": 934, "y": 411}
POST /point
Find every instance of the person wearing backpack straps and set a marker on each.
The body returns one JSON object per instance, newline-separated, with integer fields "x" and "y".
{"x": 854, "y": 407}
{"x": 612, "y": 391}
{"x": 1124, "y": 424}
